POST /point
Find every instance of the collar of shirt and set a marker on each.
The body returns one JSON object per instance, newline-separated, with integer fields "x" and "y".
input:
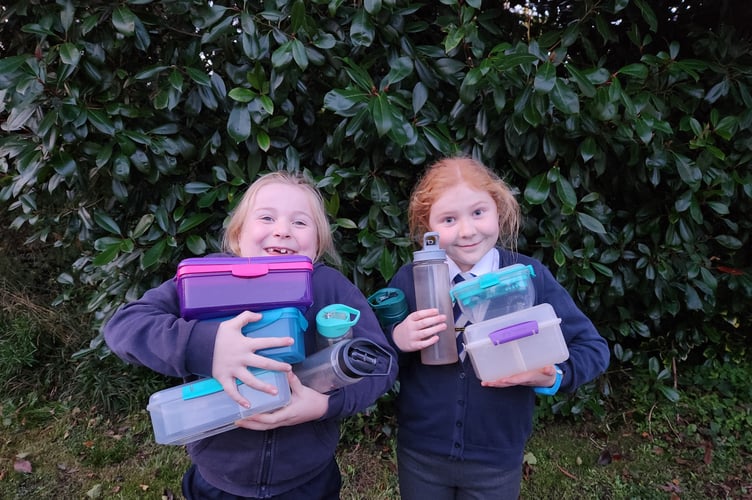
{"x": 486, "y": 264}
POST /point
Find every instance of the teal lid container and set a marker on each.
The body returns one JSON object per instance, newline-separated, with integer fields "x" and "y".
{"x": 280, "y": 322}
{"x": 334, "y": 323}
{"x": 497, "y": 293}
{"x": 390, "y": 306}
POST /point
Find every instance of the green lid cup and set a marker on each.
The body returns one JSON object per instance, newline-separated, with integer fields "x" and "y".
{"x": 390, "y": 306}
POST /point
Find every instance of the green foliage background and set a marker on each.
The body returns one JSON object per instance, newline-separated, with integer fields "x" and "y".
{"x": 130, "y": 129}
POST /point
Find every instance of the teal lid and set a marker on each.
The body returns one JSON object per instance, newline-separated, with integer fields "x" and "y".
{"x": 389, "y": 304}
{"x": 336, "y": 319}
{"x": 509, "y": 279}
{"x": 272, "y": 315}
{"x": 431, "y": 250}
{"x": 206, "y": 386}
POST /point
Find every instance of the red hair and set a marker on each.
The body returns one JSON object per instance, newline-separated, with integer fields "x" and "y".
{"x": 450, "y": 172}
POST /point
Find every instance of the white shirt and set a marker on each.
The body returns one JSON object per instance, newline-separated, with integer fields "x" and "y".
{"x": 488, "y": 263}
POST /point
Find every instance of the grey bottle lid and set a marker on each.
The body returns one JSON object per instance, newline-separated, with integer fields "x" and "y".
{"x": 431, "y": 250}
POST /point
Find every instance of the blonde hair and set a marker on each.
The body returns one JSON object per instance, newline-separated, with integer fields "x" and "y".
{"x": 450, "y": 172}
{"x": 325, "y": 242}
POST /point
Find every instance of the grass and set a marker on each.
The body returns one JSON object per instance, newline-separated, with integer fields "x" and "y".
{"x": 78, "y": 430}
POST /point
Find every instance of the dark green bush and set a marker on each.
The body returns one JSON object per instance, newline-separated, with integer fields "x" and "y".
{"x": 130, "y": 129}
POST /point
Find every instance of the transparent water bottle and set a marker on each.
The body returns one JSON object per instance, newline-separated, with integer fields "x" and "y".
{"x": 343, "y": 363}
{"x": 432, "y": 285}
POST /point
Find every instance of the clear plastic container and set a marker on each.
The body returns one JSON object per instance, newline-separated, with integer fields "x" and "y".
{"x": 528, "y": 339}
{"x": 497, "y": 293}
{"x": 432, "y": 284}
{"x": 200, "y": 409}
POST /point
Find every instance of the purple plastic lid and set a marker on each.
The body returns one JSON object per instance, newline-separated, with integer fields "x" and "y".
{"x": 513, "y": 332}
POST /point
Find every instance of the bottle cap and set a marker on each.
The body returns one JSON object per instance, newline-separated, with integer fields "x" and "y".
{"x": 363, "y": 357}
{"x": 389, "y": 305}
{"x": 431, "y": 250}
{"x": 335, "y": 320}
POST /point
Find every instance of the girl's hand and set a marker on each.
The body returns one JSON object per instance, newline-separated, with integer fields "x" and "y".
{"x": 419, "y": 330}
{"x": 305, "y": 405}
{"x": 544, "y": 377}
{"x": 234, "y": 353}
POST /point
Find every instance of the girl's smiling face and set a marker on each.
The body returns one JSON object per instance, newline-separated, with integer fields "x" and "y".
{"x": 467, "y": 221}
{"x": 279, "y": 222}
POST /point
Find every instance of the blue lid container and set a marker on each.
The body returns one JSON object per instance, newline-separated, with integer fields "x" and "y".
{"x": 494, "y": 294}
{"x": 281, "y": 322}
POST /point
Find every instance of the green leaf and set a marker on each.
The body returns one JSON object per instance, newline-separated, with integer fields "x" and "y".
{"x": 386, "y": 265}
{"x": 585, "y": 85}
{"x": 373, "y": 7}
{"x": 107, "y": 223}
{"x": 64, "y": 165}
{"x": 263, "y": 140}
{"x": 537, "y": 190}
{"x": 669, "y": 393}
{"x": 545, "y": 77}
{"x": 282, "y": 55}
{"x": 267, "y": 104}
{"x": 144, "y": 223}
{"x": 379, "y": 191}
{"x": 362, "y": 31}
{"x": 399, "y": 69}
{"x": 124, "y": 20}
{"x": 196, "y": 244}
{"x": 636, "y": 70}
{"x": 468, "y": 88}
{"x": 324, "y": 41}
{"x": 381, "y": 113}
{"x": 299, "y": 54}
{"x": 346, "y": 223}
{"x": 420, "y": 96}
{"x": 648, "y": 14}
{"x": 240, "y": 94}
{"x": 239, "y": 123}
{"x": 720, "y": 89}
{"x": 150, "y": 72}
{"x": 153, "y": 255}
{"x": 359, "y": 76}
{"x": 454, "y": 37}
{"x": 107, "y": 255}
{"x": 729, "y": 242}
{"x": 564, "y": 98}
{"x": 100, "y": 121}
{"x": 726, "y": 127}
{"x": 197, "y": 187}
{"x": 588, "y": 149}
{"x": 198, "y": 76}
{"x": 566, "y": 193}
{"x": 591, "y": 223}
{"x": 193, "y": 221}
{"x": 70, "y": 54}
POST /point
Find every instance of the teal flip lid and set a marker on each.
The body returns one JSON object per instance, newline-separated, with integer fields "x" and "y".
{"x": 336, "y": 319}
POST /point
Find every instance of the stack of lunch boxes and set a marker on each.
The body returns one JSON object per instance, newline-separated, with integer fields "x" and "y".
{"x": 216, "y": 289}
{"x": 508, "y": 334}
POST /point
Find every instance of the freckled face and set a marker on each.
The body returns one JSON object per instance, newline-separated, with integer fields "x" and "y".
{"x": 467, "y": 221}
{"x": 279, "y": 222}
